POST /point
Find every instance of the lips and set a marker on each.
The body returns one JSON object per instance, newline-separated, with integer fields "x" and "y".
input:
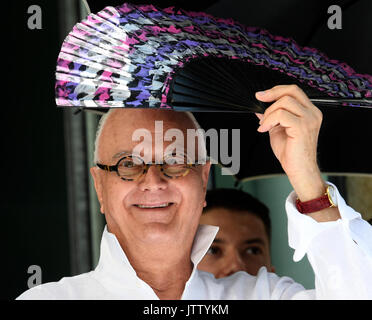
{"x": 153, "y": 205}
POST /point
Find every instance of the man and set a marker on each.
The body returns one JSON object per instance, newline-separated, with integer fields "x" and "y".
{"x": 152, "y": 244}
{"x": 243, "y": 239}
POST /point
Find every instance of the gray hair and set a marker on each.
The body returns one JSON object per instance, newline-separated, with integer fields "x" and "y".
{"x": 102, "y": 123}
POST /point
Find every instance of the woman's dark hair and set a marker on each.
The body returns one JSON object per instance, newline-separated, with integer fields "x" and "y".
{"x": 240, "y": 201}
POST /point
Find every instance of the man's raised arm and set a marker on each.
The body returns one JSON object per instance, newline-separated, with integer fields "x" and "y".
{"x": 336, "y": 239}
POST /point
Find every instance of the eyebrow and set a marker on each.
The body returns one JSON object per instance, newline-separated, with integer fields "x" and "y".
{"x": 121, "y": 153}
{"x": 128, "y": 153}
{"x": 250, "y": 241}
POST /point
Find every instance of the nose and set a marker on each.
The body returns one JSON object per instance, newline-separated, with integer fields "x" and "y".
{"x": 153, "y": 180}
{"x": 232, "y": 263}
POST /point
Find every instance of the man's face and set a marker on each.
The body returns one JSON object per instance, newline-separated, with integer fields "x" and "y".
{"x": 153, "y": 209}
{"x": 240, "y": 245}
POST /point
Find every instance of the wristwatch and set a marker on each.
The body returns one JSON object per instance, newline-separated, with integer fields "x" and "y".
{"x": 327, "y": 200}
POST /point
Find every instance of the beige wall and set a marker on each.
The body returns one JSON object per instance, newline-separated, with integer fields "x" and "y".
{"x": 359, "y": 195}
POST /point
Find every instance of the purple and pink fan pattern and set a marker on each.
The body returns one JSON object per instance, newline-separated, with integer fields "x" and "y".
{"x": 127, "y": 56}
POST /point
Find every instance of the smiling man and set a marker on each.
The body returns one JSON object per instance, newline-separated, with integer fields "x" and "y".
{"x": 153, "y": 243}
{"x": 155, "y": 210}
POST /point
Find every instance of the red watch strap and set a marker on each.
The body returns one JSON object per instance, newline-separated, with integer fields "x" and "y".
{"x": 313, "y": 205}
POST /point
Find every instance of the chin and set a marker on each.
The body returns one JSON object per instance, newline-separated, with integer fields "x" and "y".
{"x": 158, "y": 232}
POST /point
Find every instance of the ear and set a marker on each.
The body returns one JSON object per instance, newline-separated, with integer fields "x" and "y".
{"x": 205, "y": 174}
{"x": 272, "y": 269}
{"x": 94, "y": 171}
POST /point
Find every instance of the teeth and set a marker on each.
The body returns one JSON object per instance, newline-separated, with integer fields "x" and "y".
{"x": 157, "y": 206}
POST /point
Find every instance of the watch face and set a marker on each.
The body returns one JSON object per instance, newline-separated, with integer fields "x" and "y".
{"x": 332, "y": 194}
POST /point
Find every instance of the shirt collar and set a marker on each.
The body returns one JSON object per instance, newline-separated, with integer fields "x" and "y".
{"x": 203, "y": 239}
{"x": 115, "y": 267}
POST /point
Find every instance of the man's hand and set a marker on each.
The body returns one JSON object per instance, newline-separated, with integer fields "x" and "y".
{"x": 293, "y": 123}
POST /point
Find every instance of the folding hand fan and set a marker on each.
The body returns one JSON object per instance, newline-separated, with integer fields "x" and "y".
{"x": 143, "y": 56}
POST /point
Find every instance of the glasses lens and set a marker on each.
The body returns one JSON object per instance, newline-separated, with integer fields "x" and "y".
{"x": 176, "y": 166}
{"x": 175, "y": 170}
{"x": 130, "y": 167}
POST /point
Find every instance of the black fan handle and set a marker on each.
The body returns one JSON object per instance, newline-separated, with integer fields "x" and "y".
{"x": 326, "y": 102}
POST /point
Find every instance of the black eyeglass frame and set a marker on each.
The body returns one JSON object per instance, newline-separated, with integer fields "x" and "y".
{"x": 146, "y": 166}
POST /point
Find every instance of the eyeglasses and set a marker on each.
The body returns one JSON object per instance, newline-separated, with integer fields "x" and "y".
{"x": 131, "y": 168}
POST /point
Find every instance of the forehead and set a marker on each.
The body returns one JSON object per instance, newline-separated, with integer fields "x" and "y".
{"x": 234, "y": 224}
{"x": 122, "y": 126}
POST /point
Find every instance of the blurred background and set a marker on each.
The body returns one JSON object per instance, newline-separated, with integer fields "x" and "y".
{"x": 50, "y": 215}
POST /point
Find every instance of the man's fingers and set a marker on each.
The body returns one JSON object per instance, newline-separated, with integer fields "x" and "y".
{"x": 280, "y": 117}
{"x": 293, "y": 99}
{"x": 259, "y": 116}
{"x": 287, "y": 103}
{"x": 277, "y": 92}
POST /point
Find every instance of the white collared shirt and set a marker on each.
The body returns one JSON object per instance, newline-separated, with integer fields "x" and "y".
{"x": 340, "y": 253}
